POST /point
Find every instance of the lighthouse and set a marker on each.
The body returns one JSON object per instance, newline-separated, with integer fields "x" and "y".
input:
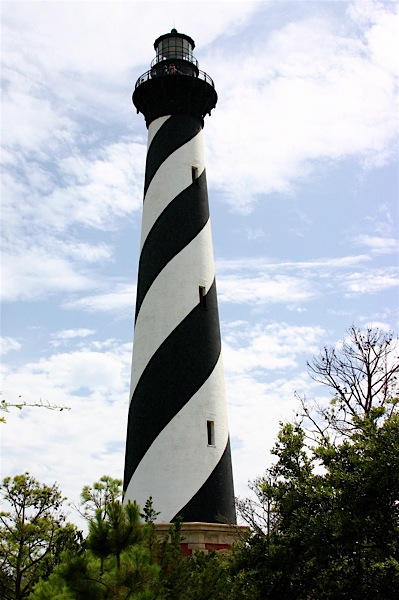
{"x": 177, "y": 447}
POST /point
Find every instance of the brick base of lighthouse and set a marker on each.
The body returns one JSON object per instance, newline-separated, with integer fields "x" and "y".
{"x": 205, "y": 537}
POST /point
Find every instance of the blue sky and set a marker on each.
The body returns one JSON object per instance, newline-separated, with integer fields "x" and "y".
{"x": 301, "y": 157}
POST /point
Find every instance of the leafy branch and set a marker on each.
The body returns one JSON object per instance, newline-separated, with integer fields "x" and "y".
{"x": 5, "y": 406}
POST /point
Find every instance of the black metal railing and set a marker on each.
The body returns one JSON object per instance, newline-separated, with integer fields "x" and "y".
{"x": 170, "y": 70}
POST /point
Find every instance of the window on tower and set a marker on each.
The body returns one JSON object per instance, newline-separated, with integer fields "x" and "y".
{"x": 194, "y": 174}
{"x": 202, "y": 296}
{"x": 210, "y": 428}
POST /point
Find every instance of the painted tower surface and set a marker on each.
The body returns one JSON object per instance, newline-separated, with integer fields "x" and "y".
{"x": 177, "y": 448}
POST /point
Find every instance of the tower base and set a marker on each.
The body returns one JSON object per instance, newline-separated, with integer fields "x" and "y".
{"x": 205, "y": 537}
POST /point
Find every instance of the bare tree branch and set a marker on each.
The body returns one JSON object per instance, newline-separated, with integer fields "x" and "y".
{"x": 362, "y": 373}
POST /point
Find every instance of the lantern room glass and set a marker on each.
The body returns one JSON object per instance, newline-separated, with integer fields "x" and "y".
{"x": 174, "y": 48}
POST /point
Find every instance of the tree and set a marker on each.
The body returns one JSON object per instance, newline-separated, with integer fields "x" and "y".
{"x": 78, "y": 578}
{"x": 119, "y": 530}
{"x": 33, "y": 534}
{"x": 99, "y": 496}
{"x": 260, "y": 514}
{"x": 209, "y": 578}
{"x": 362, "y": 374}
{"x": 334, "y": 489}
{"x": 338, "y": 530}
{"x": 114, "y": 562}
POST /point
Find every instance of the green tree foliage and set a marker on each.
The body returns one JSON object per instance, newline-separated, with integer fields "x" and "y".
{"x": 78, "y": 578}
{"x": 33, "y": 534}
{"x": 335, "y": 499}
{"x": 99, "y": 496}
{"x": 114, "y": 563}
{"x": 338, "y": 533}
{"x": 199, "y": 577}
{"x": 119, "y": 530}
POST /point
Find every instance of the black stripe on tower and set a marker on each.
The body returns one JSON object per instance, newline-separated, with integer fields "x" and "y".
{"x": 166, "y": 383}
{"x": 180, "y": 222}
{"x": 214, "y": 501}
{"x": 174, "y": 133}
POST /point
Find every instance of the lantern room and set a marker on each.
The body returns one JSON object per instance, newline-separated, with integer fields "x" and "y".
{"x": 174, "y": 46}
{"x": 174, "y": 84}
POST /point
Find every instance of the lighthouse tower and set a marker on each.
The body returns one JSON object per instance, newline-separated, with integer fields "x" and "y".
{"x": 177, "y": 449}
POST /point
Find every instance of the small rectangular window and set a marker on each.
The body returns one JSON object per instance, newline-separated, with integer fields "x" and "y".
{"x": 210, "y": 427}
{"x": 194, "y": 174}
{"x": 202, "y": 296}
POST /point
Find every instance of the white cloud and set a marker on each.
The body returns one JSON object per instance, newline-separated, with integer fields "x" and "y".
{"x": 7, "y": 344}
{"x": 372, "y": 281}
{"x": 382, "y": 325}
{"x": 310, "y": 92}
{"x": 270, "y": 347}
{"x": 106, "y": 184}
{"x": 64, "y": 373}
{"x": 91, "y": 189}
{"x": 259, "y": 282}
{"x": 255, "y": 234}
{"x": 381, "y": 31}
{"x": 87, "y": 253}
{"x": 67, "y": 334}
{"x": 377, "y": 244}
{"x": 246, "y": 265}
{"x": 122, "y": 298}
{"x": 263, "y": 289}
{"x": 33, "y": 272}
{"x": 36, "y": 121}
{"x": 42, "y": 252}
{"x": 96, "y": 371}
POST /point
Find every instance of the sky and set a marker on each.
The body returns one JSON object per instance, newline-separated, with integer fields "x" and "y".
{"x": 301, "y": 160}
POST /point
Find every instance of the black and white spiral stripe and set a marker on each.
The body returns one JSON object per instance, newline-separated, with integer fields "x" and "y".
{"x": 177, "y": 381}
